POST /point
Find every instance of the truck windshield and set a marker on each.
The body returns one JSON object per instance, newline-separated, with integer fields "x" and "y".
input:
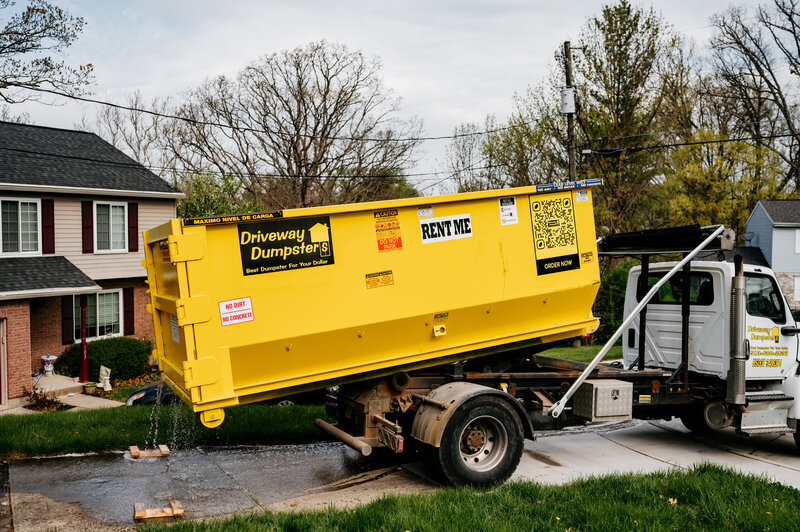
{"x": 763, "y": 297}
{"x": 701, "y": 289}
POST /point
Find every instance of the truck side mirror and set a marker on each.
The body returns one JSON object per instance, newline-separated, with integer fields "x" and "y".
{"x": 789, "y": 331}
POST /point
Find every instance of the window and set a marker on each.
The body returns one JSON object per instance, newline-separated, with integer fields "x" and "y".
{"x": 701, "y": 289}
{"x": 110, "y": 227}
{"x": 763, "y": 297}
{"x": 19, "y": 226}
{"x": 103, "y": 315}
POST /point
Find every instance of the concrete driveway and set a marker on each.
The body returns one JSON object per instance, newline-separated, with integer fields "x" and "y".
{"x": 642, "y": 446}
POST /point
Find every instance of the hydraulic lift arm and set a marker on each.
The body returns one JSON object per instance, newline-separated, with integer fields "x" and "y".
{"x": 558, "y": 407}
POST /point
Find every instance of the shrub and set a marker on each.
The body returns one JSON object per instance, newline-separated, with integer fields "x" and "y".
{"x": 610, "y": 302}
{"x": 126, "y": 357}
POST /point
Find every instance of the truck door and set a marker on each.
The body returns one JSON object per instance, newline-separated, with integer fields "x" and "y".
{"x": 707, "y": 322}
{"x": 771, "y": 353}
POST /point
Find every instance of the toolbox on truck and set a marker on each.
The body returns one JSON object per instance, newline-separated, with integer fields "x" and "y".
{"x": 256, "y": 306}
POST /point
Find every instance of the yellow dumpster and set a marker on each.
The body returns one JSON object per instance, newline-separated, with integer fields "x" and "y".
{"x": 256, "y": 306}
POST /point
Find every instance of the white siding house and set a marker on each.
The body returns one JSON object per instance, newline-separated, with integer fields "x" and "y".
{"x": 774, "y": 227}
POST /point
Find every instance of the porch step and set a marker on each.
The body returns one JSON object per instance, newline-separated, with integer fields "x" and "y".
{"x": 58, "y": 384}
{"x": 782, "y": 429}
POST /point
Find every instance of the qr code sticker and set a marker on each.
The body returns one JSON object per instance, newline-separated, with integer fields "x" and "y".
{"x": 553, "y": 223}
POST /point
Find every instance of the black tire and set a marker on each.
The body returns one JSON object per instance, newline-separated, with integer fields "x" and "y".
{"x": 692, "y": 418}
{"x": 481, "y": 444}
{"x": 430, "y": 457}
{"x": 797, "y": 441}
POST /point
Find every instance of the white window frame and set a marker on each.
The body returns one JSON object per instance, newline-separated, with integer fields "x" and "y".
{"x": 76, "y": 319}
{"x": 38, "y": 251}
{"x": 94, "y": 226}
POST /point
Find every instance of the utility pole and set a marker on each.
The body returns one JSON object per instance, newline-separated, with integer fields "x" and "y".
{"x": 568, "y": 108}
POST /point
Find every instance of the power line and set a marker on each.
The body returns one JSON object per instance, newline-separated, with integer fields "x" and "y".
{"x": 136, "y": 165}
{"x": 248, "y": 129}
{"x": 429, "y": 175}
{"x": 702, "y": 142}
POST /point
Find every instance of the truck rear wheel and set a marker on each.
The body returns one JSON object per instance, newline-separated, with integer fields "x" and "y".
{"x": 481, "y": 444}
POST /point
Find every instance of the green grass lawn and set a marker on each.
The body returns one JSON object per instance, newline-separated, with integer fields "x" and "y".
{"x": 704, "y": 498}
{"x": 109, "y": 429}
{"x": 582, "y": 354}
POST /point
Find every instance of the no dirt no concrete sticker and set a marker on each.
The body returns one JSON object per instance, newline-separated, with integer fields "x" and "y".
{"x": 285, "y": 244}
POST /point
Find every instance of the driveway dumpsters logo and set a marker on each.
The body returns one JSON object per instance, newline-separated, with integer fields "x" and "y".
{"x": 285, "y": 244}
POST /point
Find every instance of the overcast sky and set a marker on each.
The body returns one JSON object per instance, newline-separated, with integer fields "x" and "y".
{"x": 451, "y": 62}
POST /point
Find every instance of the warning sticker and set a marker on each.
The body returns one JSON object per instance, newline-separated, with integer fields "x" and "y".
{"x": 445, "y": 228}
{"x": 508, "y": 211}
{"x": 232, "y": 218}
{"x": 587, "y": 257}
{"x": 555, "y": 241}
{"x": 440, "y": 317}
{"x": 378, "y": 279}
{"x": 235, "y": 311}
{"x": 285, "y": 244}
{"x": 387, "y": 230}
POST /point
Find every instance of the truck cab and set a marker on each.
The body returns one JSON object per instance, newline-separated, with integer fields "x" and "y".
{"x": 771, "y": 367}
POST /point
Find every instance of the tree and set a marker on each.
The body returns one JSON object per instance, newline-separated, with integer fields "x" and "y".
{"x": 631, "y": 66}
{"x": 25, "y": 42}
{"x": 720, "y": 182}
{"x": 631, "y": 75}
{"x": 207, "y": 195}
{"x": 750, "y": 54}
{"x": 139, "y": 129}
{"x": 304, "y": 127}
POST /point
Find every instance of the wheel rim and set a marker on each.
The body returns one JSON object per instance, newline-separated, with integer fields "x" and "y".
{"x": 483, "y": 443}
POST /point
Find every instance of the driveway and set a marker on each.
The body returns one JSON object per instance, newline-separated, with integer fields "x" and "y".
{"x": 98, "y": 492}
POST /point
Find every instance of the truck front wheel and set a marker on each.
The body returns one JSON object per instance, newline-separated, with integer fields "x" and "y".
{"x": 481, "y": 444}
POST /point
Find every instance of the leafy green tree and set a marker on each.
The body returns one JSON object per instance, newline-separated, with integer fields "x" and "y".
{"x": 610, "y": 301}
{"x": 28, "y": 42}
{"x": 631, "y": 67}
{"x": 209, "y": 195}
{"x": 720, "y": 182}
{"x": 631, "y": 75}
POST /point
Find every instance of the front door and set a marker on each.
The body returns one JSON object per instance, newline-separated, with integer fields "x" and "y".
{"x": 771, "y": 353}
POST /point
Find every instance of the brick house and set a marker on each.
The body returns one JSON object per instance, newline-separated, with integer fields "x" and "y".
{"x": 72, "y": 208}
{"x": 774, "y": 227}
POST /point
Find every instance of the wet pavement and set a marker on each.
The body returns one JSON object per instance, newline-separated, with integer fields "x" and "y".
{"x": 223, "y": 480}
{"x": 206, "y": 482}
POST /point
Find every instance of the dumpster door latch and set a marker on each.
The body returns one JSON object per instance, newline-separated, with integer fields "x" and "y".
{"x": 200, "y": 372}
{"x": 186, "y": 247}
{"x": 192, "y": 310}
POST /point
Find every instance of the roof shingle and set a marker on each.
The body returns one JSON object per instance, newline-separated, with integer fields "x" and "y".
{"x": 23, "y": 274}
{"x": 785, "y": 211}
{"x": 35, "y": 155}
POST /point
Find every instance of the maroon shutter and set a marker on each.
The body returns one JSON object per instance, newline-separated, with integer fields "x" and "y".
{"x": 87, "y": 222}
{"x": 127, "y": 311}
{"x": 48, "y": 227}
{"x": 133, "y": 227}
{"x": 67, "y": 327}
